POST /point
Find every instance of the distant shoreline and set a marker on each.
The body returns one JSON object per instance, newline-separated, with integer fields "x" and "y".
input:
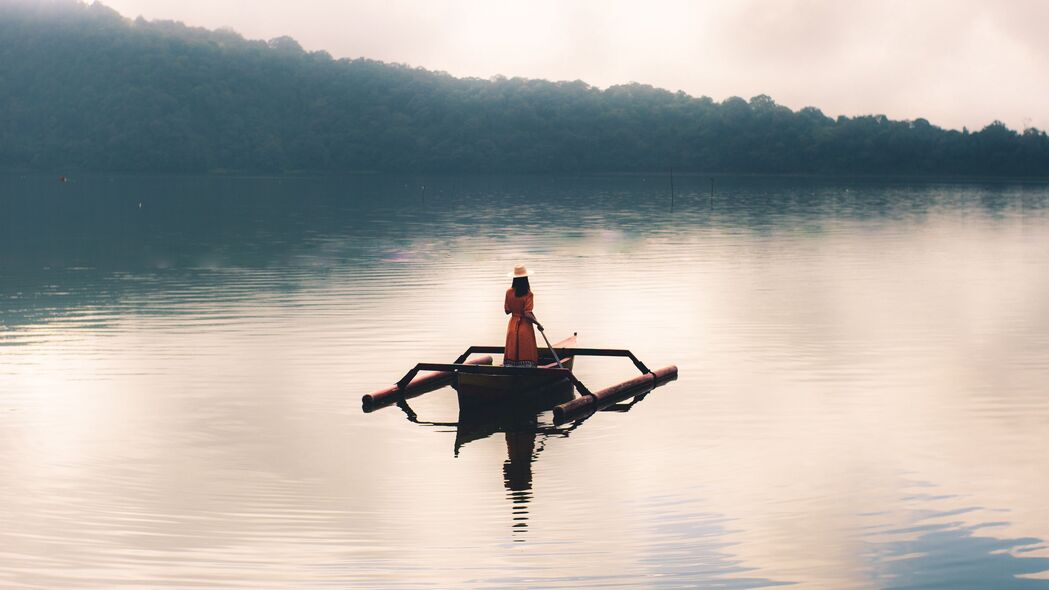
{"x": 86, "y": 89}
{"x": 72, "y": 175}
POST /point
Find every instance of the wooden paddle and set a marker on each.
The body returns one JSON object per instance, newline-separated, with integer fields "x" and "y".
{"x": 551, "y": 348}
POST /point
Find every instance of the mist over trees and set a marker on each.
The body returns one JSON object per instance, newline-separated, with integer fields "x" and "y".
{"x": 83, "y": 88}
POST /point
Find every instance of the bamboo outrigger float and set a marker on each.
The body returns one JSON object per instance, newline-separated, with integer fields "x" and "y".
{"x": 479, "y": 382}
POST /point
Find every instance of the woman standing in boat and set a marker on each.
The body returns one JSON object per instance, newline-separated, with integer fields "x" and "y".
{"x": 521, "y": 350}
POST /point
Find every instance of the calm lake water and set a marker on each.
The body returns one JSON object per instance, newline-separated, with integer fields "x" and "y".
{"x": 863, "y": 398}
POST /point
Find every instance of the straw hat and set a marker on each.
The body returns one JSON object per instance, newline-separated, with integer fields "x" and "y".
{"x": 519, "y": 271}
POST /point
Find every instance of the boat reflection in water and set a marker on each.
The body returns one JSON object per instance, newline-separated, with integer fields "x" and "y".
{"x": 527, "y": 426}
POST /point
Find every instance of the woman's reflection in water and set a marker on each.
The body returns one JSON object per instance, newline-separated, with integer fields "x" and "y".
{"x": 521, "y": 451}
{"x": 517, "y": 475}
{"x": 525, "y": 437}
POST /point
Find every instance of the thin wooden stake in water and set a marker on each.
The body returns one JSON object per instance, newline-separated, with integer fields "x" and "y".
{"x": 671, "y": 190}
{"x": 710, "y": 203}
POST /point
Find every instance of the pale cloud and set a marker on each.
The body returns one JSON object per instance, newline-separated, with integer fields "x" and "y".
{"x": 954, "y": 62}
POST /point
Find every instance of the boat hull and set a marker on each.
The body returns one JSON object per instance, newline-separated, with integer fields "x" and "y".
{"x": 480, "y": 389}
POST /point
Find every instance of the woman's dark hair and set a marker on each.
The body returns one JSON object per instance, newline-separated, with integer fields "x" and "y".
{"x": 521, "y": 287}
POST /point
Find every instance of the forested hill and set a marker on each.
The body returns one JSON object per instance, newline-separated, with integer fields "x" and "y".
{"x": 83, "y": 88}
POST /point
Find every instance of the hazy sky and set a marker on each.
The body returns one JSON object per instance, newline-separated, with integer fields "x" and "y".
{"x": 955, "y": 62}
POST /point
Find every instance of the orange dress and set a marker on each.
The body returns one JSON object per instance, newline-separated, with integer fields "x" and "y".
{"x": 520, "y": 337}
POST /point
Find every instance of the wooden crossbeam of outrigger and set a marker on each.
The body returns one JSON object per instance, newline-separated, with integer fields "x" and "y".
{"x": 562, "y": 353}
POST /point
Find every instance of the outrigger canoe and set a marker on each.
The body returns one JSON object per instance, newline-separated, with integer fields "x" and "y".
{"x": 480, "y": 383}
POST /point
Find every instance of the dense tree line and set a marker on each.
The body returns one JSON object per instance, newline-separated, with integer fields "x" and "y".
{"x": 83, "y": 88}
